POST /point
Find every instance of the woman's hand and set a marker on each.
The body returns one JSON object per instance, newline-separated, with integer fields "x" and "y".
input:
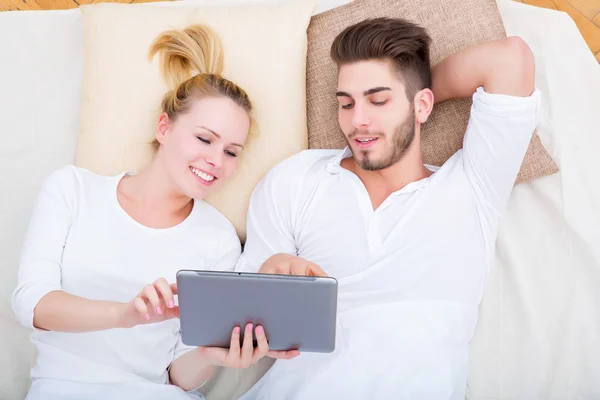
{"x": 155, "y": 303}
{"x": 246, "y": 355}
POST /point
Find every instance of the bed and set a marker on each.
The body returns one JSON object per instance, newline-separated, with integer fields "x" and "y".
{"x": 539, "y": 329}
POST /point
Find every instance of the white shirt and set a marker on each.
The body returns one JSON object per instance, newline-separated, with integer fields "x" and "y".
{"x": 81, "y": 241}
{"x": 411, "y": 273}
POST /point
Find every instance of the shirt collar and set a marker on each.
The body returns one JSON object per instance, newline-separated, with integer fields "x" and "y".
{"x": 334, "y": 167}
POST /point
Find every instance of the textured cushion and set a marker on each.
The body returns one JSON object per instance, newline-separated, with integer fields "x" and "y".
{"x": 452, "y": 25}
{"x": 264, "y": 52}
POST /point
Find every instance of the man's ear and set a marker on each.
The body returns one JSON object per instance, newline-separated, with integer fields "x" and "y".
{"x": 162, "y": 128}
{"x": 423, "y": 105}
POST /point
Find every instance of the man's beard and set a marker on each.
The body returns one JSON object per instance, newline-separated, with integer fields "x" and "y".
{"x": 402, "y": 138}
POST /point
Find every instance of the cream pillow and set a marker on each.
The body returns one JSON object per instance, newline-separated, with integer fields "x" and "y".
{"x": 265, "y": 49}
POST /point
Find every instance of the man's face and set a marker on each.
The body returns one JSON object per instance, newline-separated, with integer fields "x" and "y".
{"x": 374, "y": 113}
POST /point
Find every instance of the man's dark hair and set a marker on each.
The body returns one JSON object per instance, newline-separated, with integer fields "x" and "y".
{"x": 402, "y": 42}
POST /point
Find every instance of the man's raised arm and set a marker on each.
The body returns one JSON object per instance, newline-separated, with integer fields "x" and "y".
{"x": 504, "y": 66}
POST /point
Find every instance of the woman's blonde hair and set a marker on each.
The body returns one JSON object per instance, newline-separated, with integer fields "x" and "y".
{"x": 192, "y": 62}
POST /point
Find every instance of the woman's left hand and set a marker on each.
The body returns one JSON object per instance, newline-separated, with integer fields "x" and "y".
{"x": 246, "y": 355}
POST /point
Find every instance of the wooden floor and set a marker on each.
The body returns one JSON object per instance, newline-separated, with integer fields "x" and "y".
{"x": 585, "y": 13}
{"x": 11, "y": 5}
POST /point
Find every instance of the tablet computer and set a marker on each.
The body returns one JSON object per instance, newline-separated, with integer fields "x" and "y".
{"x": 296, "y": 312}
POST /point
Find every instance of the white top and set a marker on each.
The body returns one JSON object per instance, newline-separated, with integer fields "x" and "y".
{"x": 411, "y": 273}
{"x": 81, "y": 241}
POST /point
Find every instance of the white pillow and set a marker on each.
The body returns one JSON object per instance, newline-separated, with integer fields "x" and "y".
{"x": 322, "y": 5}
{"x": 39, "y": 121}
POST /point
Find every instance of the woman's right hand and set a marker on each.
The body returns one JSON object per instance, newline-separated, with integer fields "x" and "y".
{"x": 155, "y": 303}
{"x": 245, "y": 355}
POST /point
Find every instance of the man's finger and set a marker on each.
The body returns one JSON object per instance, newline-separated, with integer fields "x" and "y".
{"x": 299, "y": 268}
{"x": 282, "y": 269}
{"x": 315, "y": 270}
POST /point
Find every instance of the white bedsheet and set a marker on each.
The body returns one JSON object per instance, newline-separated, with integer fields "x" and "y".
{"x": 539, "y": 330}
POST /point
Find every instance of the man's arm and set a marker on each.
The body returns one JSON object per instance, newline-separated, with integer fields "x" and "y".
{"x": 504, "y": 66}
{"x": 499, "y": 75}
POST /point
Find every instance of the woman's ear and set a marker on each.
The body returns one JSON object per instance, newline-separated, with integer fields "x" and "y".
{"x": 162, "y": 128}
{"x": 423, "y": 105}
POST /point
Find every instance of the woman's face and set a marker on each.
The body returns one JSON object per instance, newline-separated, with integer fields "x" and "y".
{"x": 200, "y": 149}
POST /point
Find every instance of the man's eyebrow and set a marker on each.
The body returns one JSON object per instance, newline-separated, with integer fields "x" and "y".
{"x": 375, "y": 90}
{"x": 342, "y": 94}
{"x": 365, "y": 93}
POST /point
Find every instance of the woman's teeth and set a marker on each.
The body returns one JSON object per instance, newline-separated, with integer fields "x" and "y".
{"x": 202, "y": 175}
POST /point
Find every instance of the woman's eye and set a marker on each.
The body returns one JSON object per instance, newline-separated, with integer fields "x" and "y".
{"x": 230, "y": 153}
{"x": 203, "y": 140}
{"x": 347, "y": 106}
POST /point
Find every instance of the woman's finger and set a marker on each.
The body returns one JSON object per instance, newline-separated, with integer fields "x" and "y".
{"x": 165, "y": 291}
{"x": 283, "y": 355}
{"x": 234, "y": 346}
{"x": 263, "y": 346}
{"x": 247, "y": 346}
{"x": 152, "y": 296}
{"x": 140, "y": 305}
{"x": 174, "y": 288}
{"x": 171, "y": 312}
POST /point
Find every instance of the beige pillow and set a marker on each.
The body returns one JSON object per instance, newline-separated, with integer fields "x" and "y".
{"x": 264, "y": 52}
{"x": 452, "y": 25}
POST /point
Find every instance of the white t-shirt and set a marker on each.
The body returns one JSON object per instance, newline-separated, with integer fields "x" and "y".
{"x": 411, "y": 273}
{"x": 81, "y": 241}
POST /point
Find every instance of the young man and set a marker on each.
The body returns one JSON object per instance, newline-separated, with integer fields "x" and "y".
{"x": 410, "y": 244}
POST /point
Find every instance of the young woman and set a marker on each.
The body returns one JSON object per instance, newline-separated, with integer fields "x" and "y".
{"x": 97, "y": 270}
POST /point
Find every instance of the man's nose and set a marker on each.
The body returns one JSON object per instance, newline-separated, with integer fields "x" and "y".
{"x": 360, "y": 118}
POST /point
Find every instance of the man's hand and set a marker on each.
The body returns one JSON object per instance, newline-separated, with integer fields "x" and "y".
{"x": 286, "y": 264}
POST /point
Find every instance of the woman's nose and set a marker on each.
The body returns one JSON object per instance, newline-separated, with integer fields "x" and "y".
{"x": 215, "y": 160}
